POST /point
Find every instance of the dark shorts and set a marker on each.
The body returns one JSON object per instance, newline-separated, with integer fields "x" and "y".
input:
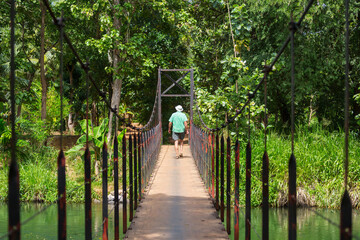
{"x": 177, "y": 136}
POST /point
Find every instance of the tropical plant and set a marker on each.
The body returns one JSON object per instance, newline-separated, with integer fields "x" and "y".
{"x": 96, "y": 138}
{"x": 357, "y": 99}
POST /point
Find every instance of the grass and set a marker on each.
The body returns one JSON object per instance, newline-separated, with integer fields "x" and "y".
{"x": 320, "y": 169}
{"x": 38, "y": 178}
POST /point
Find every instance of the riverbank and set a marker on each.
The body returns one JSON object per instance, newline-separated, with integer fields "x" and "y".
{"x": 310, "y": 225}
{"x": 320, "y": 171}
{"x": 320, "y": 168}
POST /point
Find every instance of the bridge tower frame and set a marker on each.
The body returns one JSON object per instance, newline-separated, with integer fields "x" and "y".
{"x": 176, "y": 83}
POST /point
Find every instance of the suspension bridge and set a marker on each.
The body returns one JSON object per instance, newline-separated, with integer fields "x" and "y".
{"x": 168, "y": 198}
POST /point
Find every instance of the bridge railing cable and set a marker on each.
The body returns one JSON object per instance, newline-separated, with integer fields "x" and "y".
{"x": 43, "y": 209}
{"x": 202, "y": 147}
{"x": 148, "y": 148}
{"x": 86, "y": 68}
{"x": 266, "y": 69}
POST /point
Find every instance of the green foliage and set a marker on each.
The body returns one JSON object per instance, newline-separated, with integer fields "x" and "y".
{"x": 216, "y": 105}
{"x": 96, "y": 138}
{"x": 38, "y": 178}
{"x": 4, "y": 186}
{"x": 319, "y": 54}
{"x": 53, "y": 109}
{"x": 146, "y": 35}
{"x": 30, "y": 138}
{"x": 319, "y": 156}
{"x": 5, "y": 135}
{"x": 38, "y": 183}
{"x": 357, "y": 99}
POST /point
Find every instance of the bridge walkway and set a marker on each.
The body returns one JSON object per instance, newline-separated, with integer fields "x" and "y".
{"x": 176, "y": 205}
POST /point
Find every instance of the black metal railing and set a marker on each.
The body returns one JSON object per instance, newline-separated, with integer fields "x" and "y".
{"x": 203, "y": 149}
{"x": 139, "y": 151}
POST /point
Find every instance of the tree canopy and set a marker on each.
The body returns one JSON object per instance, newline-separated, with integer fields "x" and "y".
{"x": 226, "y": 42}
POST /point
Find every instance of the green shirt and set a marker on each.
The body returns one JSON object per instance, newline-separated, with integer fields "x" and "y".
{"x": 178, "y": 119}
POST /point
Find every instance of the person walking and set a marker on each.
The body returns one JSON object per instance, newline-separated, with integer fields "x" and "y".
{"x": 178, "y": 122}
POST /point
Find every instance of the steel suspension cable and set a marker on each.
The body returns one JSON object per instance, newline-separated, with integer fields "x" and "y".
{"x": 347, "y": 95}
{"x": 292, "y": 29}
{"x": 266, "y": 72}
{"x": 60, "y": 23}
{"x": 200, "y": 117}
{"x": 251, "y": 226}
{"x": 46, "y": 207}
{"x": 85, "y": 67}
{"x": 269, "y": 68}
{"x": 82, "y": 64}
{"x": 276, "y": 189}
{"x": 249, "y": 118}
{"x": 152, "y": 113}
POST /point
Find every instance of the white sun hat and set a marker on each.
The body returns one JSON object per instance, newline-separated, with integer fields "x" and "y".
{"x": 179, "y": 108}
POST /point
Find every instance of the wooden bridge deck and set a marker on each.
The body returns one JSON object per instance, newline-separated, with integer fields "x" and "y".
{"x": 176, "y": 205}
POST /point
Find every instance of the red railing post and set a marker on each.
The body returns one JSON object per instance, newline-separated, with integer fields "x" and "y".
{"x": 88, "y": 230}
{"x": 248, "y": 193}
{"x": 222, "y": 179}
{"x": 345, "y": 217}
{"x": 228, "y": 182}
{"x": 135, "y": 173}
{"x": 292, "y": 198}
{"x": 116, "y": 188}
{"x": 124, "y": 190}
{"x": 265, "y": 201}
{"x": 131, "y": 182}
{"x": 211, "y": 137}
{"x": 236, "y": 186}
{"x": 61, "y": 196}
{"x": 217, "y": 173}
{"x": 105, "y": 192}
{"x": 139, "y": 164}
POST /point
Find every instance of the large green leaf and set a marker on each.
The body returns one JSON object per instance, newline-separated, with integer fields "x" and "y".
{"x": 121, "y": 135}
{"x": 76, "y": 150}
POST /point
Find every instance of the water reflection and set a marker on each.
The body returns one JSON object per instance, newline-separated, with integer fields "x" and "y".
{"x": 44, "y": 226}
{"x": 309, "y": 224}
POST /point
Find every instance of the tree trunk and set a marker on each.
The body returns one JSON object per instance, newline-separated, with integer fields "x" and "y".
{"x": 311, "y": 109}
{"x": 115, "y": 101}
{"x": 94, "y": 117}
{"x": 117, "y": 84}
{"x": 70, "y": 124}
{"x": 42, "y": 62}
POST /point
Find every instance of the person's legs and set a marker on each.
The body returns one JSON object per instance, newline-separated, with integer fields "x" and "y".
{"x": 181, "y": 143}
{"x": 177, "y": 148}
{"x": 176, "y": 145}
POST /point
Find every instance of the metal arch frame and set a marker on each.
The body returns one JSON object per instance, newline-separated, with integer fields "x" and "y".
{"x": 176, "y": 83}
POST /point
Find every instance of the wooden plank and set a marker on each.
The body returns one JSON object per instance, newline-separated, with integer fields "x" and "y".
{"x": 176, "y": 205}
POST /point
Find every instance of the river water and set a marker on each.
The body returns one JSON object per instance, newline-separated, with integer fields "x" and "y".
{"x": 44, "y": 226}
